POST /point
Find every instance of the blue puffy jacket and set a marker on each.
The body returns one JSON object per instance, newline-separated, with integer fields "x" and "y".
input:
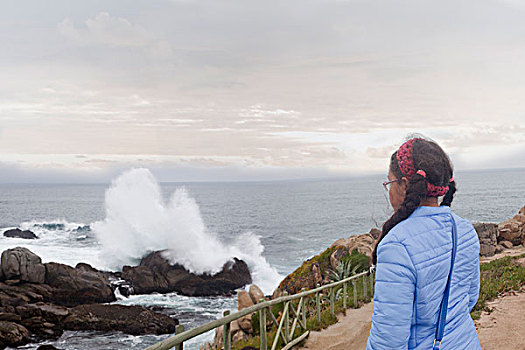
{"x": 413, "y": 262}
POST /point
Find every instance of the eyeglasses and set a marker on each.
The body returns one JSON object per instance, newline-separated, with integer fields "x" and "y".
{"x": 386, "y": 184}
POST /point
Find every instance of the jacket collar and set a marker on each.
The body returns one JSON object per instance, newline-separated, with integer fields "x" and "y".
{"x": 428, "y": 211}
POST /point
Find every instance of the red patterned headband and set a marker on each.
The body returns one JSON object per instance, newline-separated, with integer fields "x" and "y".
{"x": 406, "y": 165}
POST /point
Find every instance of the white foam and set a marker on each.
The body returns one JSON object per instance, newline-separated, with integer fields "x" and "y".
{"x": 138, "y": 221}
{"x": 57, "y": 242}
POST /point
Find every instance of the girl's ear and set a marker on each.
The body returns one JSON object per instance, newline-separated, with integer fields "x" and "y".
{"x": 404, "y": 183}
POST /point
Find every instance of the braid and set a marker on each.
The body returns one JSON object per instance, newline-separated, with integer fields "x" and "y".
{"x": 429, "y": 173}
{"x": 416, "y": 191}
{"x": 449, "y": 196}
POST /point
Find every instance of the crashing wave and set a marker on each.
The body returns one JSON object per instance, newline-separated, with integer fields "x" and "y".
{"x": 138, "y": 221}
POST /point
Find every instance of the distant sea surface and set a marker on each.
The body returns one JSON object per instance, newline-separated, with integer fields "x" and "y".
{"x": 289, "y": 220}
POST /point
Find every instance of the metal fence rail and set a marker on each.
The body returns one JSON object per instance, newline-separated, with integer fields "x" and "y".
{"x": 284, "y": 332}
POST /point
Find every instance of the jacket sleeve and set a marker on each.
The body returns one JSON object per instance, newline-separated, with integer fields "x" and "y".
{"x": 393, "y": 298}
{"x": 474, "y": 284}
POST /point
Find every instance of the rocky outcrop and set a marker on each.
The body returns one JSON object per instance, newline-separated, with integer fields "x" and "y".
{"x": 244, "y": 300}
{"x": 18, "y": 233}
{"x": 34, "y": 301}
{"x": 22, "y": 265}
{"x": 364, "y": 244}
{"x": 487, "y": 234}
{"x": 75, "y": 286}
{"x": 240, "y": 329}
{"x": 357, "y": 250}
{"x": 156, "y": 274}
{"x": 513, "y": 230}
{"x": 12, "y": 334}
{"x": 135, "y": 320}
{"x": 256, "y": 293}
{"x": 494, "y": 238}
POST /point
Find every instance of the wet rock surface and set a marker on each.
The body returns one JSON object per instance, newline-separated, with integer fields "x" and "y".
{"x": 75, "y": 286}
{"x": 39, "y": 301}
{"x": 18, "y": 233}
{"x": 135, "y": 320}
{"x": 23, "y": 265}
{"x": 156, "y": 274}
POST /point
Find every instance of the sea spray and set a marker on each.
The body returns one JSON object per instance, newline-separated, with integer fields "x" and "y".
{"x": 138, "y": 221}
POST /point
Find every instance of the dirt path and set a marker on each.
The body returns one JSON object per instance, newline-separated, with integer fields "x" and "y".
{"x": 508, "y": 252}
{"x": 503, "y": 328}
{"x": 350, "y": 333}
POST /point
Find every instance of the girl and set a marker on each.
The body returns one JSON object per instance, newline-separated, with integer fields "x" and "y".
{"x": 422, "y": 244}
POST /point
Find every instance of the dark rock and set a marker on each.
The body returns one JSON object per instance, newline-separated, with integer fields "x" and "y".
{"x": 33, "y": 322}
{"x": 77, "y": 286}
{"x": 40, "y": 327}
{"x": 487, "y": 234}
{"x": 86, "y": 267}
{"x": 375, "y": 233}
{"x": 22, "y": 264}
{"x": 135, "y": 320}
{"x": 125, "y": 290}
{"x": 28, "y": 311}
{"x": 52, "y": 313}
{"x": 119, "y": 285}
{"x": 4, "y": 316}
{"x": 13, "y": 334}
{"x": 47, "y": 347}
{"x": 156, "y": 274}
{"x": 18, "y": 233}
{"x": 11, "y": 300}
{"x": 30, "y": 292}
{"x": 12, "y": 282}
{"x": 144, "y": 280}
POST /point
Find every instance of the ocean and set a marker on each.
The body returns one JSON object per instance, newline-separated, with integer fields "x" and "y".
{"x": 274, "y": 226}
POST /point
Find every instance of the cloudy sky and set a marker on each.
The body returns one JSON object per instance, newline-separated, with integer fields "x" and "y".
{"x": 229, "y": 90}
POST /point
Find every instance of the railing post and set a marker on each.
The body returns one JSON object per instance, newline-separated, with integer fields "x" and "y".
{"x": 227, "y": 333}
{"x": 287, "y": 322}
{"x": 318, "y": 304}
{"x": 354, "y": 285}
{"x": 332, "y": 301}
{"x": 262, "y": 326}
{"x": 344, "y": 296}
{"x": 303, "y": 307}
{"x": 179, "y": 329}
{"x": 371, "y": 284}
{"x": 364, "y": 288}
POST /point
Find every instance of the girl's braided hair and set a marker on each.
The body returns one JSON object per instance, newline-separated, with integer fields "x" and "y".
{"x": 429, "y": 173}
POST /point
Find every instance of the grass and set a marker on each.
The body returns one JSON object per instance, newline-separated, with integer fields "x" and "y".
{"x": 303, "y": 275}
{"x": 498, "y": 277}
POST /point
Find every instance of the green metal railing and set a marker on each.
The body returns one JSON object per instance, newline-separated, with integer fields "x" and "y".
{"x": 283, "y": 326}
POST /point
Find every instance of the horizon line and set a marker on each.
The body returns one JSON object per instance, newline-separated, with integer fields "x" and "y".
{"x": 315, "y": 178}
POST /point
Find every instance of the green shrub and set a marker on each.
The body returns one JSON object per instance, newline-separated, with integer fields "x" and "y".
{"x": 360, "y": 261}
{"x": 497, "y": 277}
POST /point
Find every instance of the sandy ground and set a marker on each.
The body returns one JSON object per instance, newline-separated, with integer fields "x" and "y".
{"x": 503, "y": 328}
{"x": 508, "y": 252}
{"x": 351, "y": 332}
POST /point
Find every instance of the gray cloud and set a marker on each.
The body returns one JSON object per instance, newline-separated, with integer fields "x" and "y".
{"x": 324, "y": 84}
